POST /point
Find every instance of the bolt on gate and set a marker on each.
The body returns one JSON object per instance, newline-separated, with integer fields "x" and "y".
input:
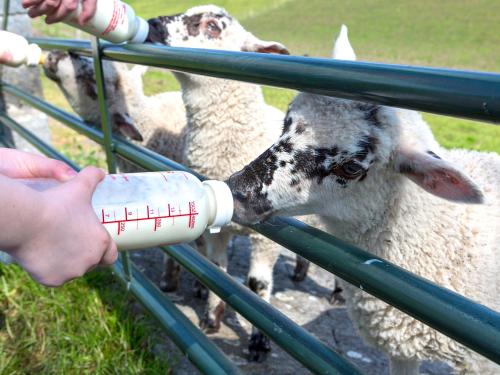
{"x": 466, "y": 94}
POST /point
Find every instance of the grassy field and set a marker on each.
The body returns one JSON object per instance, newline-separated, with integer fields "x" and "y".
{"x": 83, "y": 327}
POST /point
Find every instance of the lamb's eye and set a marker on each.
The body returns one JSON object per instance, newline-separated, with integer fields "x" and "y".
{"x": 352, "y": 169}
{"x": 212, "y": 26}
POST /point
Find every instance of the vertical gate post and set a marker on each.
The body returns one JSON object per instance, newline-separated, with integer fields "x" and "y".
{"x": 109, "y": 147}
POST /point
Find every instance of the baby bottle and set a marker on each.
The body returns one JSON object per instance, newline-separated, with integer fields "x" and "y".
{"x": 156, "y": 208}
{"x": 16, "y": 51}
{"x": 114, "y": 21}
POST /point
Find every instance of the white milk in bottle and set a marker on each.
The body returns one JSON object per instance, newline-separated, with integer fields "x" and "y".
{"x": 156, "y": 208}
{"x": 16, "y": 51}
{"x": 113, "y": 20}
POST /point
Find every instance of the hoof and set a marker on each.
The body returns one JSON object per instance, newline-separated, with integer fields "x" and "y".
{"x": 336, "y": 297}
{"x": 301, "y": 268}
{"x": 209, "y": 325}
{"x": 259, "y": 347}
{"x": 200, "y": 290}
{"x": 168, "y": 285}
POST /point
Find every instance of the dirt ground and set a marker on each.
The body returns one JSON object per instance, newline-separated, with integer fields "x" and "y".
{"x": 306, "y": 303}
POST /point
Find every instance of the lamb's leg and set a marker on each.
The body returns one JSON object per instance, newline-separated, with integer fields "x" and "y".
{"x": 170, "y": 277}
{"x": 336, "y": 297}
{"x": 216, "y": 249}
{"x": 260, "y": 280}
{"x": 404, "y": 366}
{"x": 301, "y": 268}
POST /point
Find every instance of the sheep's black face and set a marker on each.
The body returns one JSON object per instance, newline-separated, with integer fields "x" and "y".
{"x": 207, "y": 27}
{"x": 70, "y": 70}
{"x": 327, "y": 149}
{"x": 51, "y": 64}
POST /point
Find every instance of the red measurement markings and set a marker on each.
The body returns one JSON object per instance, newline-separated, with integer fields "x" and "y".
{"x": 192, "y": 214}
{"x": 129, "y": 217}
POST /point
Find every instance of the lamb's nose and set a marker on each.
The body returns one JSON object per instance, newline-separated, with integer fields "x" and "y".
{"x": 238, "y": 189}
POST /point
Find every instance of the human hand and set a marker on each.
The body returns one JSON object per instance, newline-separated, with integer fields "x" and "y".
{"x": 57, "y": 10}
{"x": 66, "y": 238}
{"x": 19, "y": 164}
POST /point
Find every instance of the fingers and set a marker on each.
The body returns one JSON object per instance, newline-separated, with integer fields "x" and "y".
{"x": 17, "y": 164}
{"x": 65, "y": 8}
{"x": 86, "y": 181}
{"x": 88, "y": 11}
{"x": 44, "y": 7}
{"x": 57, "y": 10}
{"x": 29, "y": 3}
{"x": 110, "y": 255}
{"x": 40, "y": 167}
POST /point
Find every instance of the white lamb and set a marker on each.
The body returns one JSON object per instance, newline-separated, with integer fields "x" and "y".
{"x": 157, "y": 122}
{"x": 228, "y": 125}
{"x": 391, "y": 189}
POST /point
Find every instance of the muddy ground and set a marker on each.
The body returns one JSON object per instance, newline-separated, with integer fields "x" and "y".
{"x": 306, "y": 303}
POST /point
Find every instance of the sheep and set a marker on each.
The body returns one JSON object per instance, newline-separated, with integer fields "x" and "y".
{"x": 228, "y": 124}
{"x": 157, "y": 122}
{"x": 392, "y": 189}
{"x": 238, "y": 105}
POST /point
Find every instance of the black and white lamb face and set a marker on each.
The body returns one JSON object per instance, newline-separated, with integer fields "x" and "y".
{"x": 208, "y": 27}
{"x": 344, "y": 159}
{"x": 327, "y": 150}
{"x": 75, "y": 76}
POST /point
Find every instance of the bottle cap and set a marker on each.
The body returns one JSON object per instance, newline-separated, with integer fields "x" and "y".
{"x": 224, "y": 202}
{"x": 33, "y": 55}
{"x": 142, "y": 31}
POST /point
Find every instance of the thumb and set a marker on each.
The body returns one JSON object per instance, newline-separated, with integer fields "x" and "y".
{"x": 86, "y": 181}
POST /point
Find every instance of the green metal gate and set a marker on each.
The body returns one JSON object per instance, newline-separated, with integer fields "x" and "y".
{"x": 458, "y": 93}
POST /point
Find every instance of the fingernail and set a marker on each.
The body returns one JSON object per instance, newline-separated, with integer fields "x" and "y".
{"x": 70, "y": 173}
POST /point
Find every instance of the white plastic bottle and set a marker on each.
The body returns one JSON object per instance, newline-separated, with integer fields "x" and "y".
{"x": 114, "y": 21}
{"x": 156, "y": 208}
{"x": 16, "y": 51}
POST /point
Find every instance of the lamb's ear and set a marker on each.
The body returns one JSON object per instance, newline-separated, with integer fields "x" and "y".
{"x": 342, "y": 49}
{"x": 253, "y": 44}
{"x": 437, "y": 176}
{"x": 126, "y": 127}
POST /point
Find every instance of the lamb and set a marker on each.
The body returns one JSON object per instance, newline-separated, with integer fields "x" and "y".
{"x": 219, "y": 112}
{"x": 394, "y": 191}
{"x": 228, "y": 125}
{"x": 133, "y": 114}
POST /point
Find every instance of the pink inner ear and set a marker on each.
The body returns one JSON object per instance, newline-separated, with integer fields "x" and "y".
{"x": 273, "y": 48}
{"x": 448, "y": 184}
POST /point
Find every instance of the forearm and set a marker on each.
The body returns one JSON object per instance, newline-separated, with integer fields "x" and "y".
{"x": 20, "y": 213}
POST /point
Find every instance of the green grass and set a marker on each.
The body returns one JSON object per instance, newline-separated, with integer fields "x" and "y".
{"x": 84, "y": 327}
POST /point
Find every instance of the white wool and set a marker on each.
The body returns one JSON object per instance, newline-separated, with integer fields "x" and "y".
{"x": 452, "y": 244}
{"x": 160, "y": 119}
{"x": 229, "y": 124}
